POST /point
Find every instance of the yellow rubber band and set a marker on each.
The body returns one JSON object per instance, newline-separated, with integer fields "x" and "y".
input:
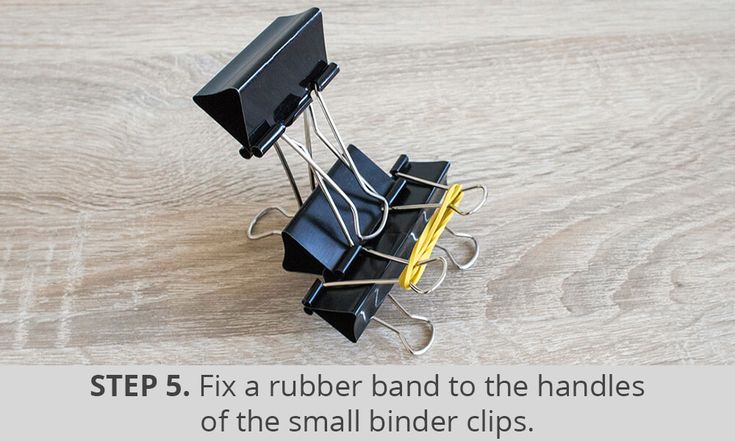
{"x": 429, "y": 237}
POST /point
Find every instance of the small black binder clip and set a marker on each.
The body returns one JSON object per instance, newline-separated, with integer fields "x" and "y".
{"x": 361, "y": 230}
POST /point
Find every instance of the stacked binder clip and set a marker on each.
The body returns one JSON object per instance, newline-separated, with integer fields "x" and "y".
{"x": 361, "y": 230}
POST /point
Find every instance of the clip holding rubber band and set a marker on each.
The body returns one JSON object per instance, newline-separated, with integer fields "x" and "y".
{"x": 360, "y": 229}
{"x": 454, "y": 207}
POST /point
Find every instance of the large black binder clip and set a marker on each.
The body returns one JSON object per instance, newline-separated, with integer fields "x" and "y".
{"x": 361, "y": 230}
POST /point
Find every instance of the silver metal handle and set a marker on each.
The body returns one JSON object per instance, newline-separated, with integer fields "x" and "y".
{"x": 404, "y": 341}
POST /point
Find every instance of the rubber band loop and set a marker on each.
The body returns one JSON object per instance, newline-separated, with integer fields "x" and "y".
{"x": 430, "y": 236}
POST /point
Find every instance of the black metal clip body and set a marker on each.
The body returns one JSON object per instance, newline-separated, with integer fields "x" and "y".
{"x": 266, "y": 86}
{"x": 313, "y": 241}
{"x": 350, "y": 309}
{"x": 260, "y": 93}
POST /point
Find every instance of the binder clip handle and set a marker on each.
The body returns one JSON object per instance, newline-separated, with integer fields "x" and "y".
{"x": 260, "y": 215}
{"x": 404, "y": 341}
{"x": 456, "y": 209}
{"x": 475, "y": 246}
{"x": 411, "y": 285}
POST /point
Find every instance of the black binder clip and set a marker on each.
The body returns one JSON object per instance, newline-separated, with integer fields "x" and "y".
{"x": 361, "y": 230}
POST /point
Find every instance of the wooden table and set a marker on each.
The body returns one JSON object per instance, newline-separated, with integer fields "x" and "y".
{"x": 605, "y": 132}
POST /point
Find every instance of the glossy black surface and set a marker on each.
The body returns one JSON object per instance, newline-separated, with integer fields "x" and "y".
{"x": 313, "y": 241}
{"x": 350, "y": 309}
{"x": 265, "y": 87}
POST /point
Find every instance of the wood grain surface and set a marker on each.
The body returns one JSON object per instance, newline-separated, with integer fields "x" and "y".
{"x": 604, "y": 130}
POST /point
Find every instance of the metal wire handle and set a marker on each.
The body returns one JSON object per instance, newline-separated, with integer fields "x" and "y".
{"x": 443, "y": 187}
{"x": 261, "y": 213}
{"x": 414, "y": 288}
{"x": 475, "y": 245}
{"x": 347, "y": 159}
{"x": 404, "y": 341}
